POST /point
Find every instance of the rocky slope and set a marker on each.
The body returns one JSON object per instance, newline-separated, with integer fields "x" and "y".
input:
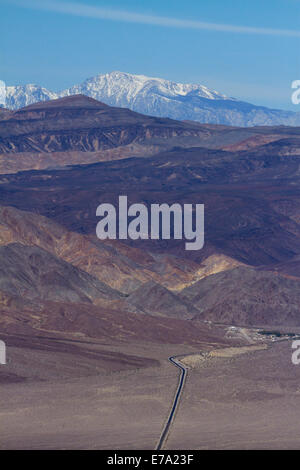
{"x": 120, "y": 266}
{"x": 83, "y": 124}
{"x": 155, "y": 299}
{"x": 244, "y": 296}
{"x": 34, "y": 273}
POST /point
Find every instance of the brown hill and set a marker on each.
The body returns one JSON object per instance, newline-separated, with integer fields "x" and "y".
{"x": 157, "y": 300}
{"x": 120, "y": 266}
{"x": 73, "y": 320}
{"x": 78, "y": 129}
{"x": 34, "y": 273}
{"x": 245, "y": 296}
{"x": 5, "y": 113}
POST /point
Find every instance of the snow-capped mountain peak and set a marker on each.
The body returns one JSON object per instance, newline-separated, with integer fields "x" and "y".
{"x": 121, "y": 85}
{"x": 24, "y": 95}
{"x": 159, "y": 97}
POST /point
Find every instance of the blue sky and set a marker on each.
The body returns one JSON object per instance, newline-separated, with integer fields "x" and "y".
{"x": 248, "y": 49}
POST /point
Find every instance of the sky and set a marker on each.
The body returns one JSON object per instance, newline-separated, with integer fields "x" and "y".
{"x": 248, "y": 49}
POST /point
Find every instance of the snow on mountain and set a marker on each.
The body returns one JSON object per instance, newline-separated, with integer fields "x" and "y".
{"x": 123, "y": 88}
{"x": 159, "y": 97}
{"x": 153, "y": 96}
{"x": 20, "y": 96}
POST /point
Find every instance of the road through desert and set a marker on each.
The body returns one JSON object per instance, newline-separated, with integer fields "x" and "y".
{"x": 182, "y": 377}
{"x": 57, "y": 401}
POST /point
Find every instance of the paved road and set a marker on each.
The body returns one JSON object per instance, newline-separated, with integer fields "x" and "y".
{"x": 183, "y": 374}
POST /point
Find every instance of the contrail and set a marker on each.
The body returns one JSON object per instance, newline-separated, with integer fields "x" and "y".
{"x": 87, "y": 11}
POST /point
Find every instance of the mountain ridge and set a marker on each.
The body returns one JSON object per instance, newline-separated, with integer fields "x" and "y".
{"x": 159, "y": 97}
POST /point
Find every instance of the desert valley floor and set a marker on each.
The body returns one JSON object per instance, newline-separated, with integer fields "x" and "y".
{"x": 61, "y": 394}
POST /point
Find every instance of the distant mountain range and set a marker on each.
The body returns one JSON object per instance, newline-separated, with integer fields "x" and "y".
{"x": 159, "y": 97}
